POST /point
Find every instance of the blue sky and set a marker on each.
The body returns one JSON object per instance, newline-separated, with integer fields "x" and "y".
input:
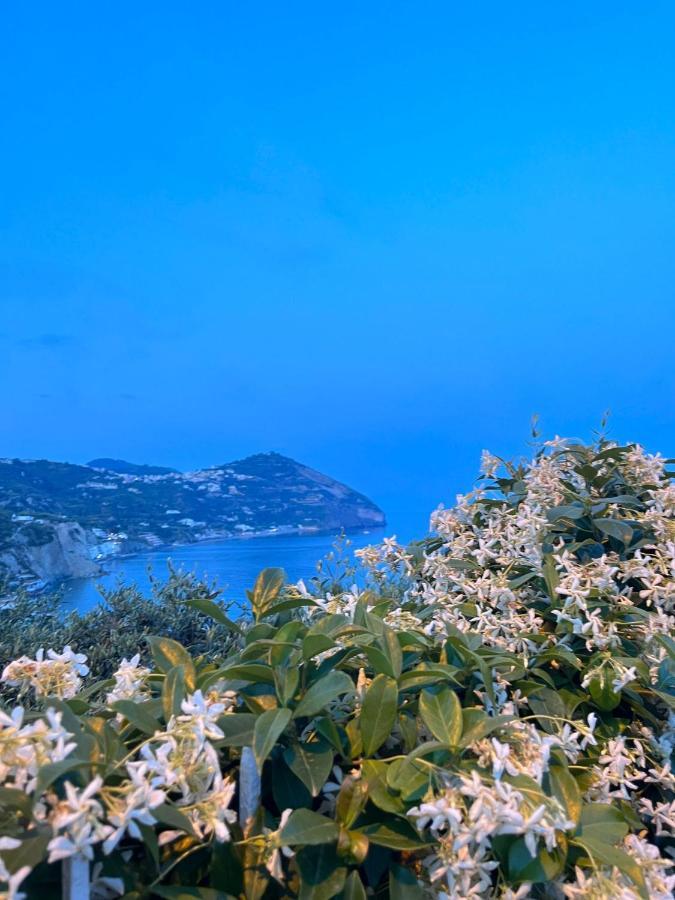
{"x": 377, "y": 237}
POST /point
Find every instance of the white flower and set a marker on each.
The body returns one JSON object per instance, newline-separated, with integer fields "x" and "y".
{"x": 13, "y": 880}
{"x": 130, "y": 680}
{"x": 211, "y": 815}
{"x": 133, "y": 805}
{"x": 202, "y": 715}
{"x": 275, "y": 848}
{"x": 623, "y": 678}
{"x": 79, "y": 822}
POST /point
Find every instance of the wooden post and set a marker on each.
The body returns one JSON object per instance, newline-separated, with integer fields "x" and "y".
{"x": 75, "y": 878}
{"x": 249, "y": 787}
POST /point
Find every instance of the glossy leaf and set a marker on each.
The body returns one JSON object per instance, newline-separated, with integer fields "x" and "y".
{"x": 305, "y": 828}
{"x": 311, "y": 762}
{"x": 322, "y": 692}
{"x": 213, "y": 611}
{"x": 442, "y": 714}
{"x": 378, "y": 713}
{"x": 268, "y": 728}
{"x": 267, "y": 587}
{"x": 173, "y": 692}
{"x": 168, "y": 653}
{"x": 137, "y": 715}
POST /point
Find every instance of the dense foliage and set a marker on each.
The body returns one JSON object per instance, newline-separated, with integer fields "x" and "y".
{"x": 490, "y": 714}
{"x": 117, "y": 627}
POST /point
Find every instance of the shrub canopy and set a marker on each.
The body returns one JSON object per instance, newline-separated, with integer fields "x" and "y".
{"x": 489, "y": 714}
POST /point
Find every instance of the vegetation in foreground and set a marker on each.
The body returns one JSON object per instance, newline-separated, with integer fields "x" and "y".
{"x": 492, "y": 714}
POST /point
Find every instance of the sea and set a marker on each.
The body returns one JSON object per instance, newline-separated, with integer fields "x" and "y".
{"x": 232, "y": 564}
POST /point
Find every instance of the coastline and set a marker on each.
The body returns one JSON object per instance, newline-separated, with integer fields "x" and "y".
{"x": 279, "y": 532}
{"x": 230, "y": 565}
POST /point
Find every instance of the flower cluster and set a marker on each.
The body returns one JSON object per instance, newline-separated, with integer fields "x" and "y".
{"x": 179, "y": 761}
{"x": 130, "y": 678}
{"x": 466, "y": 818}
{"x": 25, "y": 747}
{"x": 53, "y": 675}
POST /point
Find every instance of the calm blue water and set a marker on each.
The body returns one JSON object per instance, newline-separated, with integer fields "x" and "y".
{"x": 234, "y": 564}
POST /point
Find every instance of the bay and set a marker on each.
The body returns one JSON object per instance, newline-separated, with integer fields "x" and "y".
{"x": 232, "y": 564}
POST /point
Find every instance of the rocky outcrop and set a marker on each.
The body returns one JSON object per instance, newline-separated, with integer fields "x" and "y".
{"x": 65, "y": 555}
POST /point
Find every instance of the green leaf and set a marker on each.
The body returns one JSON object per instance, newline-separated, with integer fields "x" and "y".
{"x": 351, "y": 800}
{"x": 551, "y": 577}
{"x": 601, "y": 690}
{"x": 477, "y": 725}
{"x": 573, "y": 511}
{"x": 258, "y": 632}
{"x": 150, "y": 842}
{"x": 268, "y": 728}
{"x": 386, "y": 657}
{"x": 285, "y": 605}
{"x": 378, "y": 713}
{"x": 410, "y": 776}
{"x": 604, "y": 854}
{"x": 213, "y": 611}
{"x": 441, "y": 712}
{"x": 335, "y": 736}
{"x": 313, "y": 644}
{"x": 226, "y": 869}
{"x": 615, "y": 528}
{"x": 564, "y": 787}
{"x": 544, "y": 867}
{"x": 396, "y": 834}
{"x": 266, "y": 590}
{"x": 374, "y": 771}
{"x": 287, "y": 789}
{"x": 256, "y": 877}
{"x": 311, "y": 762}
{"x": 408, "y": 727}
{"x": 546, "y": 702}
{"x": 50, "y": 772}
{"x": 403, "y": 885}
{"x": 602, "y": 823}
{"x": 426, "y": 674}
{"x": 137, "y": 716}
{"x": 665, "y": 682}
{"x": 12, "y": 798}
{"x": 238, "y": 729}
{"x": 168, "y": 653}
{"x": 322, "y": 692}
{"x": 252, "y": 672}
{"x": 169, "y": 815}
{"x": 306, "y": 828}
{"x": 30, "y": 852}
{"x": 354, "y": 889}
{"x": 286, "y": 678}
{"x": 322, "y": 872}
{"x": 173, "y": 692}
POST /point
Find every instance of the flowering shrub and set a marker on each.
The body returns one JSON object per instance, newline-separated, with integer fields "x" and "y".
{"x": 491, "y": 714}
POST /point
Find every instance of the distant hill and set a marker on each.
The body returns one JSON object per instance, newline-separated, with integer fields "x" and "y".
{"x": 60, "y": 520}
{"x": 127, "y": 468}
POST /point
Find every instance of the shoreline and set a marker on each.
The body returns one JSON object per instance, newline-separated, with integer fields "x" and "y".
{"x": 289, "y": 531}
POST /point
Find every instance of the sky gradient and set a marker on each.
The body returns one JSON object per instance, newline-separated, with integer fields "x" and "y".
{"x": 376, "y": 237}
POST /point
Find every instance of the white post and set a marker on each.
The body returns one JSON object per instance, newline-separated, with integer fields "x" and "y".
{"x": 75, "y": 878}
{"x": 249, "y": 787}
